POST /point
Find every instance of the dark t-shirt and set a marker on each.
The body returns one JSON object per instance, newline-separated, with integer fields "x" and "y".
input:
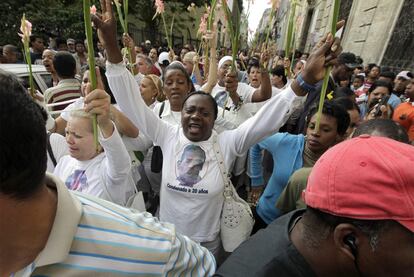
{"x": 270, "y": 252}
{"x": 36, "y": 58}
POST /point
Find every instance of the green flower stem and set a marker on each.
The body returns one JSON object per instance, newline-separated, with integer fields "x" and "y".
{"x": 91, "y": 62}
{"x": 290, "y": 30}
{"x": 123, "y": 18}
{"x": 329, "y": 69}
{"x": 211, "y": 15}
{"x": 293, "y": 52}
{"x": 29, "y": 65}
{"x": 234, "y": 31}
{"x": 126, "y": 15}
{"x": 28, "y": 59}
{"x": 322, "y": 98}
{"x": 119, "y": 11}
{"x": 210, "y": 20}
{"x": 269, "y": 27}
{"x": 166, "y": 32}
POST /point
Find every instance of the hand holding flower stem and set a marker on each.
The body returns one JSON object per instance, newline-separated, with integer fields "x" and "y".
{"x": 123, "y": 18}
{"x": 328, "y": 71}
{"x": 91, "y": 61}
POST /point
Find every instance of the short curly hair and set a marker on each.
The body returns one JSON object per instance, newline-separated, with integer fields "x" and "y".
{"x": 333, "y": 109}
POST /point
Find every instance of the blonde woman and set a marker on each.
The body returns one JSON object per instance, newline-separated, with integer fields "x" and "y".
{"x": 151, "y": 90}
{"x": 102, "y": 171}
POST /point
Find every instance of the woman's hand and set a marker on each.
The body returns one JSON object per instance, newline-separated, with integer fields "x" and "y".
{"x": 98, "y": 102}
{"x": 264, "y": 60}
{"x": 128, "y": 41}
{"x": 105, "y": 23}
{"x": 323, "y": 55}
{"x": 385, "y": 112}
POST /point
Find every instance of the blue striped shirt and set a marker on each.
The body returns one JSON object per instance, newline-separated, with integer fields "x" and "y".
{"x": 94, "y": 237}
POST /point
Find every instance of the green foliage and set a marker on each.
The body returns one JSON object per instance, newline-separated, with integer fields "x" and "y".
{"x": 144, "y": 10}
{"x": 64, "y": 17}
{"x": 49, "y": 17}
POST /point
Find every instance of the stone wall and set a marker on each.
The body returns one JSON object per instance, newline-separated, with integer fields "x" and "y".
{"x": 380, "y": 31}
{"x": 399, "y": 53}
{"x": 369, "y": 28}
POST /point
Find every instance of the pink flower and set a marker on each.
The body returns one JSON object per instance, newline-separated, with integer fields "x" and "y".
{"x": 202, "y": 29}
{"x": 93, "y": 9}
{"x": 275, "y": 4}
{"x": 25, "y": 29}
{"x": 159, "y": 5}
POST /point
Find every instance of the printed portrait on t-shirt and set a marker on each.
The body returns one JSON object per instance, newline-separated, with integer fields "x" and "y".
{"x": 221, "y": 98}
{"x": 190, "y": 164}
{"x": 77, "y": 180}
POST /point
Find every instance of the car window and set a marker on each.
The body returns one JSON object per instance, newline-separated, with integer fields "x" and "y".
{"x": 25, "y": 81}
{"x": 48, "y": 79}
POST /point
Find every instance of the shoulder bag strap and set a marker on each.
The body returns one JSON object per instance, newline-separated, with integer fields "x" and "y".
{"x": 161, "y": 109}
{"x": 50, "y": 150}
{"x": 228, "y": 192}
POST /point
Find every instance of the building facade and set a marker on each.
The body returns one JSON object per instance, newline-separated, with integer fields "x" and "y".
{"x": 379, "y": 31}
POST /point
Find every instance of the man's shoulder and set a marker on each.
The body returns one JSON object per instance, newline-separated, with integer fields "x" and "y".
{"x": 270, "y": 252}
{"x": 125, "y": 220}
{"x": 65, "y": 84}
{"x": 114, "y": 239}
{"x": 72, "y": 82}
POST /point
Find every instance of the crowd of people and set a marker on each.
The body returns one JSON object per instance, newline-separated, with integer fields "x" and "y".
{"x": 331, "y": 194}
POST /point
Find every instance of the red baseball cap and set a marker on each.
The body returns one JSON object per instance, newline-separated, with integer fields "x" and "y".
{"x": 369, "y": 178}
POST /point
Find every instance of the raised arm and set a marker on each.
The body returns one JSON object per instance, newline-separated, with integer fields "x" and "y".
{"x": 276, "y": 111}
{"x": 212, "y": 72}
{"x": 123, "y": 84}
{"x": 117, "y": 165}
{"x": 123, "y": 124}
{"x": 265, "y": 90}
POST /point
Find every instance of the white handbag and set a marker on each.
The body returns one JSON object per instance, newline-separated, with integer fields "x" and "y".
{"x": 237, "y": 220}
{"x": 135, "y": 201}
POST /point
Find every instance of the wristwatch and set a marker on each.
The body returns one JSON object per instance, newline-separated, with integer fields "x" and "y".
{"x": 305, "y": 86}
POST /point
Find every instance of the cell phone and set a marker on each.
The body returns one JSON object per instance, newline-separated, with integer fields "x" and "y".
{"x": 383, "y": 101}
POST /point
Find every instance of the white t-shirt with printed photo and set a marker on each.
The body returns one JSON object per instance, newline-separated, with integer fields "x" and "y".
{"x": 192, "y": 186}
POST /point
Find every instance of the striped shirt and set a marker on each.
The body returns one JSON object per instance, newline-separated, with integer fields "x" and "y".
{"x": 94, "y": 237}
{"x": 66, "y": 89}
